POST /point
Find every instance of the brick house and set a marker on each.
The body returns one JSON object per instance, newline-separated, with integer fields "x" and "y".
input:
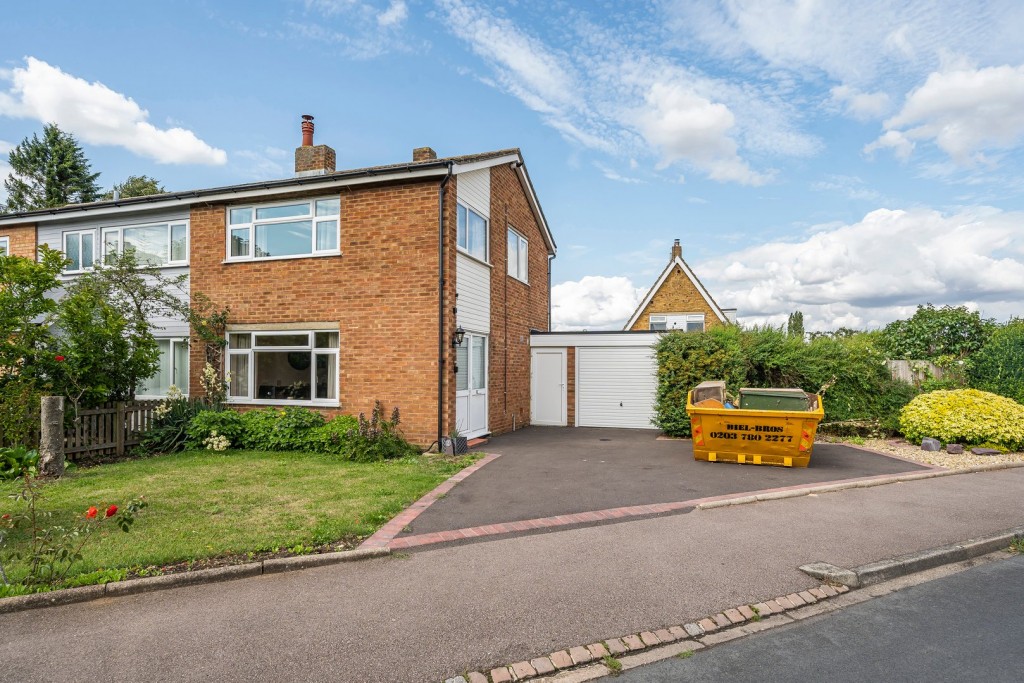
{"x": 345, "y": 287}
{"x": 678, "y": 300}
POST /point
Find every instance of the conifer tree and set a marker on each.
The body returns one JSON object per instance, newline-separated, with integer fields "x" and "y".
{"x": 50, "y": 172}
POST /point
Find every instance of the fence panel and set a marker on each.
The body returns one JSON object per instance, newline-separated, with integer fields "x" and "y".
{"x": 109, "y": 429}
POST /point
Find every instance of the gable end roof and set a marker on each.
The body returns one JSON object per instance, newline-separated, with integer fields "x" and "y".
{"x": 676, "y": 261}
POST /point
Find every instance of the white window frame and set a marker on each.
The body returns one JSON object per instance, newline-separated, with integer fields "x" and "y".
{"x": 253, "y": 222}
{"x": 522, "y": 265}
{"x": 174, "y": 341}
{"x": 119, "y": 229}
{"x": 676, "y": 321}
{"x": 77, "y": 234}
{"x": 5, "y": 245}
{"x": 487, "y": 233}
{"x": 252, "y": 397}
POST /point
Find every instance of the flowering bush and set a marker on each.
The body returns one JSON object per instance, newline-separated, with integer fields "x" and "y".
{"x": 966, "y": 416}
{"x": 216, "y": 442}
{"x": 225, "y": 424}
{"x": 214, "y": 386}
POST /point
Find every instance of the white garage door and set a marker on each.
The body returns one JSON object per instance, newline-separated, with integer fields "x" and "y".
{"x": 615, "y": 386}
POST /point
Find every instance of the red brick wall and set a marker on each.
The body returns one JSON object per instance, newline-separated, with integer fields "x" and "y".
{"x": 381, "y": 293}
{"x": 22, "y": 239}
{"x": 524, "y": 306}
{"x": 570, "y": 386}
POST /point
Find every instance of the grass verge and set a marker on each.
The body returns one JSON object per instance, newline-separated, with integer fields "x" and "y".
{"x": 204, "y": 505}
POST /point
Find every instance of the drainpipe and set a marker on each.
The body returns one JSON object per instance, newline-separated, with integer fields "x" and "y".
{"x": 442, "y": 347}
{"x": 551, "y": 257}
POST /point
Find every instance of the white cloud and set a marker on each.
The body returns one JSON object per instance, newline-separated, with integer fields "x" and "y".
{"x": 268, "y": 162}
{"x": 396, "y": 13}
{"x": 611, "y": 174}
{"x": 98, "y": 115}
{"x": 594, "y": 303}
{"x": 894, "y": 140}
{"x": 876, "y": 270}
{"x": 862, "y": 106}
{"x": 965, "y": 111}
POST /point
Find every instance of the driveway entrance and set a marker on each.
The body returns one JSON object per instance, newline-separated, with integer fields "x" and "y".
{"x": 552, "y": 471}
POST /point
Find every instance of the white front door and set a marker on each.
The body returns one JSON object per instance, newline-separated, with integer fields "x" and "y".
{"x": 547, "y": 387}
{"x": 471, "y": 385}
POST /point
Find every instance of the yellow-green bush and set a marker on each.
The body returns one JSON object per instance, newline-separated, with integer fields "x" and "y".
{"x": 966, "y": 416}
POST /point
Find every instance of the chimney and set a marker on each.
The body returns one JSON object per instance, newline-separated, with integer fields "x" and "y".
{"x": 677, "y": 251}
{"x": 312, "y": 159}
{"x": 423, "y": 154}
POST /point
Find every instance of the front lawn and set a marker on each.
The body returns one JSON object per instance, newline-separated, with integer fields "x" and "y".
{"x": 203, "y": 504}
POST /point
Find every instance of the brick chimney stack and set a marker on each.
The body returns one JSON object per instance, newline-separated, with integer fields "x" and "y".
{"x": 677, "y": 251}
{"x": 423, "y": 154}
{"x": 313, "y": 159}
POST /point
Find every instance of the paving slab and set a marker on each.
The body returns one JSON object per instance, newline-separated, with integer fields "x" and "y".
{"x": 552, "y": 471}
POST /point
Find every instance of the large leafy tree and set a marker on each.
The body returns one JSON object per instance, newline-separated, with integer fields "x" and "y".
{"x": 49, "y": 172}
{"x": 136, "y": 186}
{"x": 947, "y": 333}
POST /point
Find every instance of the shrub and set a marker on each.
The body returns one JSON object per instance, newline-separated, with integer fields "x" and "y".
{"x": 226, "y": 423}
{"x": 999, "y": 366}
{"x": 337, "y": 437}
{"x": 276, "y": 429}
{"x": 379, "y": 438}
{"x": 169, "y": 431}
{"x": 966, "y": 416}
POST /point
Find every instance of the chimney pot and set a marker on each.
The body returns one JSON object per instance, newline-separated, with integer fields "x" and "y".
{"x": 423, "y": 154}
{"x": 677, "y": 251}
{"x": 307, "y": 130}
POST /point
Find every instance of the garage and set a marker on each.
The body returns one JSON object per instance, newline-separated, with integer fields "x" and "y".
{"x": 593, "y": 379}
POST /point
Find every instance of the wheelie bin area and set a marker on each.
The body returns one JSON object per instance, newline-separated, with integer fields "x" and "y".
{"x": 779, "y": 435}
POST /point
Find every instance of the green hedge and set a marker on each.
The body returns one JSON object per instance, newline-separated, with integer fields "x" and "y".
{"x": 999, "y": 366}
{"x": 863, "y": 389}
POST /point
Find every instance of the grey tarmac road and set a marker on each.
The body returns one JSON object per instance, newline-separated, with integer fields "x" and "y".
{"x": 964, "y": 627}
{"x": 429, "y": 615}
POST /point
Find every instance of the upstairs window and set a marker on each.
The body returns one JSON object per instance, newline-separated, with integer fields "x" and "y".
{"x": 80, "y": 250}
{"x": 5, "y": 246}
{"x": 307, "y": 228}
{"x": 472, "y": 233}
{"x": 518, "y": 255}
{"x": 158, "y": 244}
{"x": 688, "y": 322}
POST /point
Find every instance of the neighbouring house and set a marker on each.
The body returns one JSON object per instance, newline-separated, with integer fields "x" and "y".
{"x": 678, "y": 300}
{"x": 345, "y": 287}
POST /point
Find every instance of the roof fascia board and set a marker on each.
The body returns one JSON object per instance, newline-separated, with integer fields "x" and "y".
{"x": 531, "y": 197}
{"x": 650, "y": 295}
{"x": 596, "y": 338}
{"x": 676, "y": 261}
{"x": 484, "y": 163}
{"x": 199, "y": 197}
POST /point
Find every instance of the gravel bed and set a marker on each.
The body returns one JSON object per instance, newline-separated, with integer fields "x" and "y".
{"x": 913, "y": 452}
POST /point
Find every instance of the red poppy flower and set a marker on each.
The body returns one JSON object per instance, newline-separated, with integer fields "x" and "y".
{"x": 59, "y": 359}
{"x": 111, "y": 511}
{"x": 5, "y": 517}
{"x": 91, "y": 512}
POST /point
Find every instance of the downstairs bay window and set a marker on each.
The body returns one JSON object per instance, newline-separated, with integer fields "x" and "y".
{"x": 287, "y": 366}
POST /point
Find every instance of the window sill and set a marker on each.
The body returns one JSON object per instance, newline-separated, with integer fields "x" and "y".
{"x": 522, "y": 282}
{"x": 154, "y": 397}
{"x": 282, "y": 403}
{"x": 73, "y": 273}
{"x": 322, "y": 254}
{"x": 465, "y": 253}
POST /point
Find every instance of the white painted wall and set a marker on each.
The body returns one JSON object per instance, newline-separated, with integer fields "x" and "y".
{"x": 474, "y": 190}
{"x": 473, "y": 285}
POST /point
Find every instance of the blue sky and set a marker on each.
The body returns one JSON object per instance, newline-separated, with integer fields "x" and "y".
{"x": 850, "y": 160}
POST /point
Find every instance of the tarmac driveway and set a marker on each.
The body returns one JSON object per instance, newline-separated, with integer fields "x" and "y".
{"x": 550, "y": 471}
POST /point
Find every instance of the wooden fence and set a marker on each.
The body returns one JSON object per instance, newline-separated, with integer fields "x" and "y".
{"x": 914, "y": 371}
{"x": 108, "y": 430}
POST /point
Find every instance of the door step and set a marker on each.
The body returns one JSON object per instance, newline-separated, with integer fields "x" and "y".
{"x": 473, "y": 443}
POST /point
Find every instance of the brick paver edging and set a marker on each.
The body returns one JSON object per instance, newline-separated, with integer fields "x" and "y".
{"x": 385, "y": 536}
{"x": 726, "y": 625}
{"x": 276, "y": 565}
{"x": 598, "y": 516}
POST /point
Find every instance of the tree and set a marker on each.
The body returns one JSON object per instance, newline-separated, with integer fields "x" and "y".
{"x": 947, "y": 333}
{"x": 48, "y": 173}
{"x": 26, "y": 310}
{"x": 136, "y": 186}
{"x": 795, "y": 324}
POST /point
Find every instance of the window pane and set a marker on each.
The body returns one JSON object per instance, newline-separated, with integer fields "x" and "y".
{"x": 240, "y": 242}
{"x": 238, "y": 366}
{"x": 240, "y": 341}
{"x": 240, "y": 216}
{"x": 3, "y": 247}
{"x": 326, "y": 235}
{"x": 179, "y": 376}
{"x": 72, "y": 252}
{"x": 462, "y": 367}
{"x": 326, "y": 340}
{"x": 328, "y": 207}
{"x": 284, "y": 239}
{"x": 87, "y": 250}
{"x": 158, "y": 384}
{"x": 288, "y": 211}
{"x": 658, "y": 325}
{"x": 523, "y": 259}
{"x": 299, "y": 339}
{"x": 179, "y": 242}
{"x": 477, "y": 236}
{"x": 326, "y": 376}
{"x": 513, "y": 254}
{"x": 461, "y": 230}
{"x": 283, "y": 375}
{"x": 478, "y": 379}
{"x": 150, "y": 244}
{"x": 111, "y": 244}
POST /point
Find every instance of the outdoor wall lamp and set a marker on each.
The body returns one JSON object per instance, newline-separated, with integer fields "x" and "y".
{"x": 460, "y": 334}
